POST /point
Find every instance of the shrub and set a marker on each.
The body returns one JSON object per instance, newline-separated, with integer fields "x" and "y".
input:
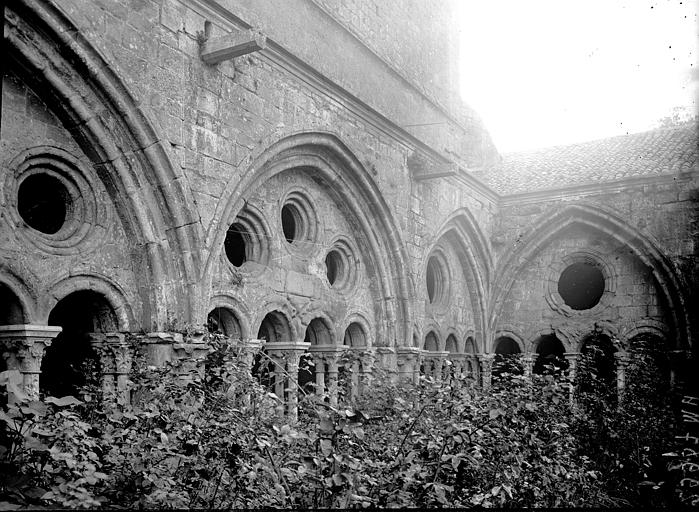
{"x": 220, "y": 442}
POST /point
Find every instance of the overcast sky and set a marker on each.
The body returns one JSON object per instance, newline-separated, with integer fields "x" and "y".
{"x": 546, "y": 72}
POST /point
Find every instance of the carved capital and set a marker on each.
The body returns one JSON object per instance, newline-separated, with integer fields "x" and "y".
{"x": 486, "y": 361}
{"x": 23, "y": 345}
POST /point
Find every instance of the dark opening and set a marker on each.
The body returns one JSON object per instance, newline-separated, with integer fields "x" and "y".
{"x": 43, "y": 202}
{"x": 550, "y": 358}
{"x": 10, "y": 308}
{"x": 307, "y": 373}
{"x": 354, "y": 336}
{"x": 289, "y": 224}
{"x": 333, "y": 265}
{"x": 433, "y": 276}
{"x": 274, "y": 328}
{"x": 431, "y": 342}
{"x": 263, "y": 370}
{"x": 70, "y": 363}
{"x": 507, "y": 357}
{"x": 581, "y": 285}
{"x": 234, "y": 245}
{"x": 224, "y": 321}
{"x": 317, "y": 333}
{"x": 451, "y": 345}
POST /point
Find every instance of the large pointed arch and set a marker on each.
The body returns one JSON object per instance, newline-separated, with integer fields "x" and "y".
{"x": 326, "y": 158}
{"x": 52, "y": 56}
{"x": 461, "y": 231}
{"x": 610, "y": 224}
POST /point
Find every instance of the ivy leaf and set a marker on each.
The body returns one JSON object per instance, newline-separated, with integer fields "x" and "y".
{"x": 65, "y": 401}
{"x": 326, "y": 425}
{"x": 326, "y": 447}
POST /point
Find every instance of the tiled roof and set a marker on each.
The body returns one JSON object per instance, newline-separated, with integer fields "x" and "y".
{"x": 661, "y": 151}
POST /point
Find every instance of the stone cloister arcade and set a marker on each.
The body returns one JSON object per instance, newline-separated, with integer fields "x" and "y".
{"x": 301, "y": 240}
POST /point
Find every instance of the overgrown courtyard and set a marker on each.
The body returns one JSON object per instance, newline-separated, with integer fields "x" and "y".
{"x": 221, "y": 440}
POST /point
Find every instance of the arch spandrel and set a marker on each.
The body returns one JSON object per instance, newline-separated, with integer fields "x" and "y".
{"x": 155, "y": 206}
{"x": 324, "y": 157}
{"x": 642, "y": 246}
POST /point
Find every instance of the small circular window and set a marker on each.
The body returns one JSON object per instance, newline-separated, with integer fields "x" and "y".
{"x": 298, "y": 221}
{"x": 334, "y": 266}
{"x": 435, "y": 279}
{"x": 43, "y": 202}
{"x": 292, "y": 223}
{"x": 341, "y": 266}
{"x": 235, "y": 245}
{"x": 581, "y": 285}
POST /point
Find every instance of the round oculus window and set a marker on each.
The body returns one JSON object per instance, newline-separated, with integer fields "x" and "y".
{"x": 43, "y": 202}
{"x": 581, "y": 286}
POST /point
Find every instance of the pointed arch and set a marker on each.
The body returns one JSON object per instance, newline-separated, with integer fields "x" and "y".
{"x": 153, "y": 201}
{"x": 462, "y": 232}
{"x": 610, "y": 224}
{"x": 327, "y": 159}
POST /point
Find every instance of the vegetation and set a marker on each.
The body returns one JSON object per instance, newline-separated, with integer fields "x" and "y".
{"x": 220, "y": 442}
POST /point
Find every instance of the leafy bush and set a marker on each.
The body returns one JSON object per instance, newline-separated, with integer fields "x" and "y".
{"x": 220, "y": 442}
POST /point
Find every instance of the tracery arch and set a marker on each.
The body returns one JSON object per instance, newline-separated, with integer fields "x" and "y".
{"x": 128, "y": 156}
{"x": 608, "y": 223}
{"x": 326, "y": 159}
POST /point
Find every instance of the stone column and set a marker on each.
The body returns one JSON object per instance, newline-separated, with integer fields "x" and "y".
{"x": 248, "y": 351}
{"x": 622, "y": 361}
{"x": 158, "y": 347}
{"x": 333, "y": 370}
{"x": 386, "y": 358}
{"x": 474, "y": 372}
{"x": 408, "y": 363}
{"x": 323, "y": 355}
{"x": 486, "y": 364}
{"x": 23, "y": 348}
{"x": 439, "y": 359}
{"x": 191, "y": 358}
{"x": 458, "y": 362}
{"x": 572, "y": 358}
{"x": 115, "y": 361}
{"x": 293, "y": 357}
{"x": 367, "y": 358}
{"x": 426, "y": 363}
{"x": 286, "y": 356}
{"x": 319, "y": 361}
{"x": 528, "y": 361}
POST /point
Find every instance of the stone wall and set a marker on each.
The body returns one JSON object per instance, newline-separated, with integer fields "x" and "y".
{"x": 278, "y": 193}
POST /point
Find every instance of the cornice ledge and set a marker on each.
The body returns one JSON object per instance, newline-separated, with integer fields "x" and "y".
{"x": 586, "y": 189}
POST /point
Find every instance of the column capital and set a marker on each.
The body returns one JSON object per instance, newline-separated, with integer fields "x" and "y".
{"x": 250, "y": 344}
{"x": 486, "y": 358}
{"x": 437, "y": 354}
{"x": 29, "y": 331}
{"x": 196, "y": 350}
{"x": 23, "y": 347}
{"x": 408, "y": 354}
{"x": 287, "y": 347}
{"x": 622, "y": 358}
{"x": 572, "y": 356}
{"x": 162, "y": 338}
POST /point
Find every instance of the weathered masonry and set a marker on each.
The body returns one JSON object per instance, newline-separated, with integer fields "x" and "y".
{"x": 302, "y": 177}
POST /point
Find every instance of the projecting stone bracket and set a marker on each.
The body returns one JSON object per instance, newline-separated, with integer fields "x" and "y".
{"x": 423, "y": 168}
{"x": 215, "y": 50}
